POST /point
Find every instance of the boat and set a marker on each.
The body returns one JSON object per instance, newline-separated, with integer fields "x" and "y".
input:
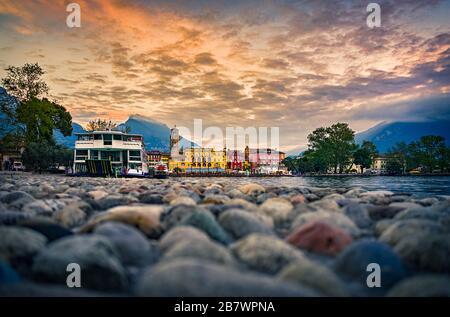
{"x": 111, "y": 154}
{"x": 159, "y": 170}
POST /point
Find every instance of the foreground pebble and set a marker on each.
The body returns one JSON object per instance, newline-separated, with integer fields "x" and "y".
{"x": 194, "y": 278}
{"x": 320, "y": 237}
{"x": 353, "y": 262}
{"x": 422, "y": 286}
{"x": 97, "y": 257}
{"x": 217, "y": 237}
{"x": 265, "y": 253}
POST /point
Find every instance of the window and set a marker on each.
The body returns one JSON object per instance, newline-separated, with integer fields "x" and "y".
{"x": 85, "y": 137}
{"x": 134, "y": 156}
{"x": 94, "y": 155}
{"x": 107, "y": 139}
{"x": 135, "y": 166}
{"x": 81, "y": 155}
{"x": 133, "y": 138}
{"x": 97, "y": 136}
{"x": 113, "y": 156}
{"x": 117, "y": 137}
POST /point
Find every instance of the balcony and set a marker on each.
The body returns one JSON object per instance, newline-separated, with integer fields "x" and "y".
{"x": 108, "y": 144}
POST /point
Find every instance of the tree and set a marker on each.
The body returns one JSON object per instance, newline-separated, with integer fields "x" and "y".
{"x": 429, "y": 150}
{"x": 291, "y": 164}
{"x": 333, "y": 146}
{"x": 39, "y": 157}
{"x": 11, "y": 143}
{"x": 364, "y": 155}
{"x": 394, "y": 166}
{"x": 429, "y": 153}
{"x": 101, "y": 125}
{"x": 34, "y": 119}
{"x": 25, "y": 82}
{"x": 444, "y": 162}
{"x": 401, "y": 151}
{"x": 40, "y": 117}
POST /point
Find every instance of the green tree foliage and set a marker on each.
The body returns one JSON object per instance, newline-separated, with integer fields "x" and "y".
{"x": 41, "y": 156}
{"x": 101, "y": 125}
{"x": 11, "y": 143}
{"x": 34, "y": 118}
{"x": 25, "y": 82}
{"x": 364, "y": 155}
{"x": 429, "y": 154}
{"x": 394, "y": 166}
{"x": 291, "y": 164}
{"x": 40, "y": 117}
{"x": 444, "y": 163}
{"x": 401, "y": 153}
{"x": 333, "y": 146}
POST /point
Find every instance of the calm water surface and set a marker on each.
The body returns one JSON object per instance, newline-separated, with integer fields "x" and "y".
{"x": 417, "y": 185}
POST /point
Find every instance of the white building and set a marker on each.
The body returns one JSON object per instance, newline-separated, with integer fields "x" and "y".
{"x": 126, "y": 152}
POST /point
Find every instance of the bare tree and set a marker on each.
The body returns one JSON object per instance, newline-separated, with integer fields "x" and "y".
{"x": 101, "y": 125}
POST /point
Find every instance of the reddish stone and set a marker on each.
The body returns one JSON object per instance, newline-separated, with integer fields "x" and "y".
{"x": 320, "y": 237}
{"x": 298, "y": 199}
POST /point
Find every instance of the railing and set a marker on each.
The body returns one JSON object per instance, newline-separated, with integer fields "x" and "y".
{"x": 111, "y": 144}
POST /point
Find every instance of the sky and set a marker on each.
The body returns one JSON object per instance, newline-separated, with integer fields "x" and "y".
{"x": 296, "y": 65}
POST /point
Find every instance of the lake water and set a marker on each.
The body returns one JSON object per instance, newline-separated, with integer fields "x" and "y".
{"x": 417, "y": 185}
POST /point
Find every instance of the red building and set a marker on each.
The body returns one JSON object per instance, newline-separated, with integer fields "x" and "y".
{"x": 235, "y": 160}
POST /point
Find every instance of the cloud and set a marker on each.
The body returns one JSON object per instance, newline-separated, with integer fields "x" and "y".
{"x": 421, "y": 109}
{"x": 292, "y": 64}
{"x": 205, "y": 59}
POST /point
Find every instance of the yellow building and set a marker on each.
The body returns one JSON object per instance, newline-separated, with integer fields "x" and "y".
{"x": 199, "y": 160}
{"x": 379, "y": 164}
{"x": 194, "y": 159}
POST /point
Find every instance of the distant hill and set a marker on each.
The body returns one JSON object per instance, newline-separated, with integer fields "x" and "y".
{"x": 11, "y": 103}
{"x": 68, "y": 141}
{"x": 386, "y": 134}
{"x": 156, "y": 134}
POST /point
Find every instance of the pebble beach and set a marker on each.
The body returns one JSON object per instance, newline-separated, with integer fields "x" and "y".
{"x": 218, "y": 237}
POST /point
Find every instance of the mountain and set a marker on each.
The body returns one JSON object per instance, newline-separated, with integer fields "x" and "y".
{"x": 296, "y": 151}
{"x": 68, "y": 141}
{"x": 386, "y": 134}
{"x": 156, "y": 134}
{"x": 10, "y": 103}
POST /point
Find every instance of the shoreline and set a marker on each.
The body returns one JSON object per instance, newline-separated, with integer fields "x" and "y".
{"x": 205, "y": 175}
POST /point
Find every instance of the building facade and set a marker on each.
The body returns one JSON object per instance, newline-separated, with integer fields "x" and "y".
{"x": 156, "y": 157}
{"x": 379, "y": 164}
{"x": 126, "y": 152}
{"x": 199, "y": 160}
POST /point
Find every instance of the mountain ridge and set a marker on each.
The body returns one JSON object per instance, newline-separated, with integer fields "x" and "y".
{"x": 386, "y": 134}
